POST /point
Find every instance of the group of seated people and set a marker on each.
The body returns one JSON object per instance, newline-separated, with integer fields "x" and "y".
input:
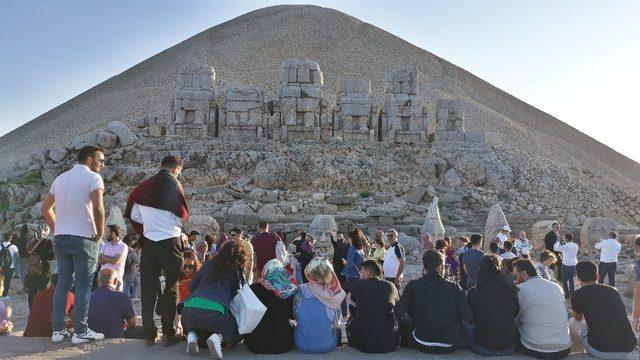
{"x": 494, "y": 317}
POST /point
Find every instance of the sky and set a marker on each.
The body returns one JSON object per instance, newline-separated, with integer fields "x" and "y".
{"x": 578, "y": 60}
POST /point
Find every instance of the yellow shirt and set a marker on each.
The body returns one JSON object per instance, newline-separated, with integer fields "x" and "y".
{"x": 379, "y": 254}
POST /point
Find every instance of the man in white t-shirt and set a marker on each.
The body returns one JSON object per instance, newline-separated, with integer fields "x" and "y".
{"x": 394, "y": 260}
{"x": 78, "y": 224}
{"x": 569, "y": 251}
{"x": 113, "y": 255}
{"x": 609, "y": 250}
{"x": 8, "y": 262}
{"x": 502, "y": 236}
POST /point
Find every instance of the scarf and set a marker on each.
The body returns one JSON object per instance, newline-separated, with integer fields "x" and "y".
{"x": 331, "y": 295}
{"x": 161, "y": 191}
{"x": 276, "y": 279}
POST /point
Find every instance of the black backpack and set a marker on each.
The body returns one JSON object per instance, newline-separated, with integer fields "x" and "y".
{"x": 5, "y": 257}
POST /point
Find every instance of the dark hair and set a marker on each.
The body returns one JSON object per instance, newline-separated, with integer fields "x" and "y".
{"x": 508, "y": 245}
{"x": 569, "y": 237}
{"x": 525, "y": 265}
{"x": 491, "y": 282}
{"x": 637, "y": 241}
{"x": 441, "y": 244}
{"x": 228, "y": 262}
{"x": 546, "y": 255}
{"x": 586, "y": 271}
{"x": 189, "y": 254}
{"x": 303, "y": 235}
{"x": 88, "y": 151}
{"x": 613, "y": 234}
{"x": 373, "y": 267}
{"x": 555, "y": 224}
{"x": 464, "y": 239}
{"x": 357, "y": 238}
{"x": 115, "y": 229}
{"x": 171, "y": 162}
{"x": 127, "y": 240}
{"x": 507, "y": 264}
{"x": 432, "y": 259}
{"x": 262, "y": 224}
{"x": 493, "y": 246}
{"x": 476, "y": 239}
{"x": 236, "y": 230}
{"x": 379, "y": 241}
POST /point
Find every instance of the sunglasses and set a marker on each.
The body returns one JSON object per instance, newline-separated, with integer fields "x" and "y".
{"x": 189, "y": 267}
{"x": 233, "y": 234}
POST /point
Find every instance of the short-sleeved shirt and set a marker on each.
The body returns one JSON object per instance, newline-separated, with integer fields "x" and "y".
{"x": 264, "y": 246}
{"x": 114, "y": 250}
{"x": 606, "y": 317}
{"x": 73, "y": 208}
{"x": 392, "y": 260}
{"x": 108, "y": 310}
{"x": 39, "y": 323}
{"x": 471, "y": 259}
{"x": 130, "y": 265}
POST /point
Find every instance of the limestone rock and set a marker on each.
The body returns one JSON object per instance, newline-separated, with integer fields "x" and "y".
{"x": 320, "y": 227}
{"x": 340, "y": 199}
{"x": 270, "y": 211}
{"x": 31, "y": 198}
{"x": 409, "y": 243}
{"x": 630, "y": 277}
{"x": 58, "y": 154}
{"x": 594, "y": 230}
{"x": 451, "y": 178}
{"x": 416, "y": 195}
{"x": 141, "y": 122}
{"x": 433, "y": 224}
{"x": 122, "y": 131}
{"x": 275, "y": 173}
{"x": 36, "y": 211}
{"x": 204, "y": 224}
{"x": 131, "y": 176}
{"x": 104, "y": 139}
{"x": 40, "y": 155}
{"x": 538, "y": 231}
{"x": 495, "y": 220}
{"x": 115, "y": 218}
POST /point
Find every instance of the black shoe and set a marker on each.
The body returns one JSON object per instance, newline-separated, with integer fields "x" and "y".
{"x": 170, "y": 340}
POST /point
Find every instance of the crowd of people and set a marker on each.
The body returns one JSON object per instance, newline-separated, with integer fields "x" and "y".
{"x": 492, "y": 303}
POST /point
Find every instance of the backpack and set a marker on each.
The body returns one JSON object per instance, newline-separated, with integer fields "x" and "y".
{"x": 5, "y": 257}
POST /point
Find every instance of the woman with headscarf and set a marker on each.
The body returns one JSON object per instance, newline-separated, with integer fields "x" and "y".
{"x": 317, "y": 309}
{"x": 275, "y": 288}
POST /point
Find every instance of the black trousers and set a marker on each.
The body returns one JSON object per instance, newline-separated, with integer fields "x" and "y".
{"x": 542, "y": 355}
{"x": 159, "y": 257}
{"x": 8, "y": 275}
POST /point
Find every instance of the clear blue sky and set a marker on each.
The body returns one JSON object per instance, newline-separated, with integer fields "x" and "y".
{"x": 578, "y": 60}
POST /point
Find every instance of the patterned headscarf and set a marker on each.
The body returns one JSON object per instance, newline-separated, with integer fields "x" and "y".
{"x": 276, "y": 279}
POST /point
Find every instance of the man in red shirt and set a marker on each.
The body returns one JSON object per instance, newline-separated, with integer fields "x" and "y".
{"x": 264, "y": 246}
{"x": 39, "y": 323}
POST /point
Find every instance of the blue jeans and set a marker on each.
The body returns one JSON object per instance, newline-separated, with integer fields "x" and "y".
{"x": 607, "y": 270}
{"x": 77, "y": 259}
{"x": 470, "y": 331}
{"x": 131, "y": 287}
{"x": 21, "y": 268}
{"x": 567, "y": 274}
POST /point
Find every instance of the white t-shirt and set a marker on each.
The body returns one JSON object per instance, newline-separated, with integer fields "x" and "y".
{"x": 609, "y": 250}
{"x": 158, "y": 224}
{"x": 569, "y": 253}
{"x": 113, "y": 250}
{"x": 73, "y": 208}
{"x": 507, "y": 255}
{"x": 392, "y": 260}
{"x": 501, "y": 239}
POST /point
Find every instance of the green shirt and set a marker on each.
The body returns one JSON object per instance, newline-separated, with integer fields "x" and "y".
{"x": 200, "y": 303}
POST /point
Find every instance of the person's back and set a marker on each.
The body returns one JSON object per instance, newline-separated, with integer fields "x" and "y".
{"x": 314, "y": 332}
{"x": 374, "y": 328}
{"x": 543, "y": 321}
{"x": 39, "y": 322}
{"x": 264, "y": 248}
{"x": 609, "y": 330}
{"x": 471, "y": 259}
{"x": 109, "y": 310}
{"x": 274, "y": 334}
{"x": 436, "y": 307}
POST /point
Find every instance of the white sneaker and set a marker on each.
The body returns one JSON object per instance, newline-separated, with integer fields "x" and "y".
{"x": 214, "y": 342}
{"x": 192, "y": 343}
{"x": 58, "y": 336}
{"x": 88, "y": 335}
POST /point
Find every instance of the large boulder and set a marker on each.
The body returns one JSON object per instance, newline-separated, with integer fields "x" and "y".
{"x": 538, "y": 231}
{"x": 115, "y": 218}
{"x": 58, "y": 154}
{"x": 204, "y": 224}
{"x": 495, "y": 220}
{"x": 124, "y": 134}
{"x": 451, "y": 178}
{"x": 36, "y": 211}
{"x": 275, "y": 173}
{"x": 104, "y": 139}
{"x": 594, "y": 230}
{"x": 409, "y": 243}
{"x": 432, "y": 223}
{"x": 321, "y": 227}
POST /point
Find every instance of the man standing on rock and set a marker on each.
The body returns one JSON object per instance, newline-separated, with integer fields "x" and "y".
{"x": 609, "y": 250}
{"x": 264, "y": 246}
{"x": 78, "y": 225}
{"x": 550, "y": 240}
{"x": 158, "y": 209}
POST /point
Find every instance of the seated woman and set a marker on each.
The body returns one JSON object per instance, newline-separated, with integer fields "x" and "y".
{"x": 275, "y": 289}
{"x": 372, "y": 326}
{"x": 190, "y": 266}
{"x": 317, "y": 309}
{"x": 205, "y": 313}
{"x": 494, "y": 302}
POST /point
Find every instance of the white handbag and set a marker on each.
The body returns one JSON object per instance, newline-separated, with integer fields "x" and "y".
{"x": 247, "y": 309}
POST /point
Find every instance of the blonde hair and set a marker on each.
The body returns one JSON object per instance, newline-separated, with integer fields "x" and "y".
{"x": 320, "y": 271}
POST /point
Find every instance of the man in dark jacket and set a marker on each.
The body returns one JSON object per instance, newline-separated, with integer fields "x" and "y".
{"x": 550, "y": 239}
{"x": 435, "y": 307}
